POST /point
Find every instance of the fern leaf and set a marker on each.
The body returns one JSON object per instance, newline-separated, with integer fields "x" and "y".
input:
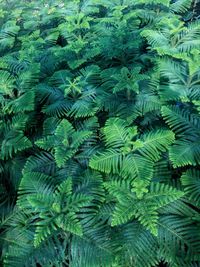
{"x": 13, "y": 143}
{"x": 191, "y": 182}
{"x": 135, "y": 166}
{"x": 62, "y": 154}
{"x": 180, "y": 6}
{"x": 46, "y": 143}
{"x": 117, "y": 133}
{"x": 155, "y": 142}
{"x": 107, "y": 161}
{"x": 79, "y": 137}
{"x": 185, "y": 152}
{"x": 181, "y": 121}
{"x": 64, "y": 129}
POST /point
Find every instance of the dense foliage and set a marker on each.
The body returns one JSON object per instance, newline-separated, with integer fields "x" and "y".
{"x": 99, "y": 133}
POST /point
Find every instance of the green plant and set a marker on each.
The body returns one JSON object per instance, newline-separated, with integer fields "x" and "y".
{"x": 99, "y": 131}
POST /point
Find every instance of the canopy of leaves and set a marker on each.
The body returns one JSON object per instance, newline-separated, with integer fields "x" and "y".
{"x": 99, "y": 133}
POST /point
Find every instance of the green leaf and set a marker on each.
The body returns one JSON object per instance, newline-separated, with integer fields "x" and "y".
{"x": 156, "y": 142}
{"x": 107, "y": 161}
{"x": 191, "y": 182}
{"x": 185, "y": 152}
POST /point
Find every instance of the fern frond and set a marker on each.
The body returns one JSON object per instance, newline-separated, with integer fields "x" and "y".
{"x": 185, "y": 152}
{"x": 79, "y": 137}
{"x": 129, "y": 205}
{"x": 137, "y": 244}
{"x": 92, "y": 251}
{"x": 117, "y": 133}
{"x": 163, "y": 194}
{"x": 41, "y": 162}
{"x": 155, "y": 38}
{"x": 60, "y": 108}
{"x": 180, "y": 6}
{"x": 6, "y": 83}
{"x": 14, "y": 142}
{"x": 191, "y": 182}
{"x": 46, "y": 143}
{"x": 99, "y": 133}
{"x": 136, "y": 166}
{"x": 107, "y": 161}
{"x": 151, "y": 2}
{"x": 179, "y": 232}
{"x": 25, "y": 102}
{"x": 181, "y": 121}
{"x": 64, "y": 130}
{"x": 155, "y": 142}
{"x": 175, "y": 72}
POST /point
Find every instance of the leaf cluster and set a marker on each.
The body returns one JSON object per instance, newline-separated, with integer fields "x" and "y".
{"x": 99, "y": 133}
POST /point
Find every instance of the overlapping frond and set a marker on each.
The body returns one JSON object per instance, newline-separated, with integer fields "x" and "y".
{"x": 99, "y": 133}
